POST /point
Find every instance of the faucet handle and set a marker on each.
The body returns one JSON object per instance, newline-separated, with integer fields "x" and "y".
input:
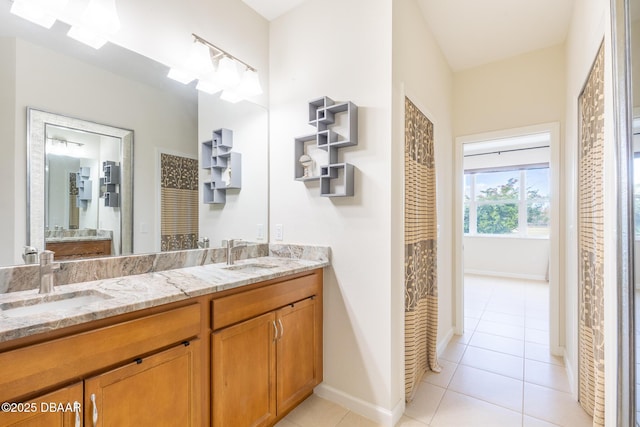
{"x": 46, "y": 257}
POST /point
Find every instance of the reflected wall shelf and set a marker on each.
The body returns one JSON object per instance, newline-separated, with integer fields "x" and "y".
{"x": 109, "y": 184}
{"x": 336, "y": 179}
{"x": 225, "y": 167}
{"x": 84, "y": 186}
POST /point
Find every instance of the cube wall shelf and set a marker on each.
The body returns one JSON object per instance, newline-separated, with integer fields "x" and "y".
{"x": 323, "y": 115}
{"x": 225, "y": 167}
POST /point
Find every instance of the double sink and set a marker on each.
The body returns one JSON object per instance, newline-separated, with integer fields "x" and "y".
{"x": 45, "y": 303}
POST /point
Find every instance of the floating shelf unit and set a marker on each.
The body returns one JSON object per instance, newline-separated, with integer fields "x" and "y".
{"x": 336, "y": 179}
{"x": 109, "y": 184}
{"x": 224, "y": 164}
{"x": 84, "y": 185}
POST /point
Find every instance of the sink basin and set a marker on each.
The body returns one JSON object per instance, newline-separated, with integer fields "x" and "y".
{"x": 51, "y": 302}
{"x": 253, "y": 267}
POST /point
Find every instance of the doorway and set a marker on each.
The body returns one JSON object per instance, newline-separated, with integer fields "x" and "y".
{"x": 495, "y": 188}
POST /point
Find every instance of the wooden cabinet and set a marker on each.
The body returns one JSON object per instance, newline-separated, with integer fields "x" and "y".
{"x": 263, "y": 367}
{"x": 61, "y": 408}
{"x": 159, "y": 390}
{"x": 298, "y": 352}
{"x": 144, "y": 371}
{"x": 76, "y": 249}
{"x": 244, "y": 362}
{"x": 244, "y": 357}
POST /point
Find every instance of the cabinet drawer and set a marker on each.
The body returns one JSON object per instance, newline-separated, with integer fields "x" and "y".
{"x": 245, "y": 305}
{"x": 40, "y": 366}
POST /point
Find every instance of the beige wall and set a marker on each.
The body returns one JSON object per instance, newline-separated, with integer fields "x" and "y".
{"x": 520, "y": 91}
{"x": 341, "y": 50}
{"x": 421, "y": 72}
{"x": 13, "y": 237}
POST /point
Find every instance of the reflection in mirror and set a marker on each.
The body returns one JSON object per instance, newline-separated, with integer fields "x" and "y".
{"x": 80, "y": 221}
{"x": 80, "y": 187}
{"x": 47, "y": 70}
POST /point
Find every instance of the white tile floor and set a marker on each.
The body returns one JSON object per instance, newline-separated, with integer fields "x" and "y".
{"x": 499, "y": 373}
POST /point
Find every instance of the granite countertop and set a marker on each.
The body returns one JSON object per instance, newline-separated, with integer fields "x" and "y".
{"x": 130, "y": 293}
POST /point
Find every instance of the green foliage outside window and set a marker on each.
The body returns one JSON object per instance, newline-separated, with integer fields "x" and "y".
{"x": 496, "y": 216}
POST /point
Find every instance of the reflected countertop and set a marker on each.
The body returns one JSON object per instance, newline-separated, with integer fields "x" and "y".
{"x": 131, "y": 293}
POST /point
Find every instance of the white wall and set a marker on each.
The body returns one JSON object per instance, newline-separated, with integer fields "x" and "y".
{"x": 421, "y": 72}
{"x": 589, "y": 26}
{"x": 525, "y": 258}
{"x": 54, "y": 83}
{"x": 341, "y": 50}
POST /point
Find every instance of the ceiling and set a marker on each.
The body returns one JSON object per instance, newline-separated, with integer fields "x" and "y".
{"x": 271, "y": 9}
{"x": 475, "y": 32}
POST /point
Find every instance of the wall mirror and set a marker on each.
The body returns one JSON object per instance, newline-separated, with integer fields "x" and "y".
{"x": 80, "y": 186}
{"x": 51, "y": 73}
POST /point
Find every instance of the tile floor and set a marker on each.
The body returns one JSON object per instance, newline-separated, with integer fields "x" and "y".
{"x": 498, "y": 374}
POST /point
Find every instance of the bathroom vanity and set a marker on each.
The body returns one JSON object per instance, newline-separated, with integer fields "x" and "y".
{"x": 212, "y": 345}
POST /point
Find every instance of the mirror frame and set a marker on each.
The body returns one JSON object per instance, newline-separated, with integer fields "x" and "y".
{"x": 37, "y": 122}
{"x": 622, "y": 104}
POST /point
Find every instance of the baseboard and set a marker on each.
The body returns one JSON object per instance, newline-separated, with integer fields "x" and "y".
{"x": 444, "y": 342}
{"x": 571, "y": 377}
{"x": 507, "y": 275}
{"x": 375, "y": 413}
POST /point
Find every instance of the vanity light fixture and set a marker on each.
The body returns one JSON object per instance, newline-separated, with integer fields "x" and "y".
{"x": 217, "y": 70}
{"x": 98, "y": 23}
{"x": 62, "y": 147}
{"x": 41, "y": 12}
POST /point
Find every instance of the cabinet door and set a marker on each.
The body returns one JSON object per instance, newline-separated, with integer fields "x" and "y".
{"x": 298, "y": 345}
{"x": 159, "y": 390}
{"x": 243, "y": 373}
{"x": 62, "y": 407}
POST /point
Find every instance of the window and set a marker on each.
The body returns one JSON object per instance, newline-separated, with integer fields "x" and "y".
{"x": 507, "y": 202}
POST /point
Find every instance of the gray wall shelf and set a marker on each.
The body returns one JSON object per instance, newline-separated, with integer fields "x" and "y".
{"x": 84, "y": 186}
{"x": 336, "y": 179}
{"x": 224, "y": 164}
{"x": 109, "y": 184}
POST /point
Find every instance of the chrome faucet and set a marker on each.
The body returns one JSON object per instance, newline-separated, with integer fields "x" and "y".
{"x": 231, "y": 245}
{"x": 47, "y": 269}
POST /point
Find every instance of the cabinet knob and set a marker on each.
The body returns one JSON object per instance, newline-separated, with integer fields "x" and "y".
{"x": 95, "y": 410}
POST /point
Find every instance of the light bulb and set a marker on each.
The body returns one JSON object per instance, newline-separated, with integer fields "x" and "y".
{"x": 250, "y": 84}
{"x": 208, "y": 85}
{"x": 99, "y": 22}
{"x": 199, "y": 60}
{"x": 227, "y": 73}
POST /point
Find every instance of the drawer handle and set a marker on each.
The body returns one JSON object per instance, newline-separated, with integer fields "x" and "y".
{"x": 76, "y": 406}
{"x": 275, "y": 331}
{"x": 95, "y": 410}
{"x": 281, "y": 328}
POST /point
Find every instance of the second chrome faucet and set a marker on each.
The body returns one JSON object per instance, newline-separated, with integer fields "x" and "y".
{"x": 232, "y": 244}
